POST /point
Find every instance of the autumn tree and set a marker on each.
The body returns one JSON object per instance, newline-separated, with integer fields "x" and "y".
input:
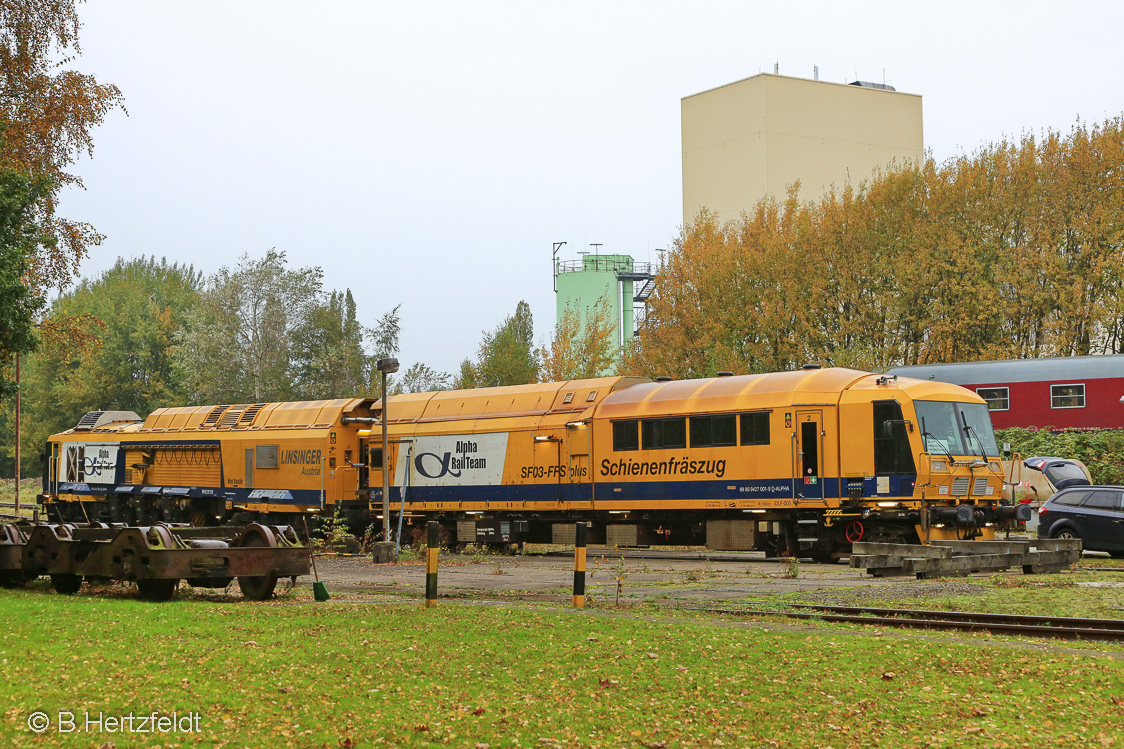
{"x": 507, "y": 355}
{"x": 1014, "y": 251}
{"x": 47, "y": 114}
{"x": 583, "y": 345}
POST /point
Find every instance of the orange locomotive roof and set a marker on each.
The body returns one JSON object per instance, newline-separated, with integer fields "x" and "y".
{"x": 293, "y": 415}
{"x": 803, "y": 386}
{"x": 537, "y": 399}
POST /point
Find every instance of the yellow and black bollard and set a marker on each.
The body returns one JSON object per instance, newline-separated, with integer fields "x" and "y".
{"x": 433, "y": 546}
{"x": 579, "y": 566}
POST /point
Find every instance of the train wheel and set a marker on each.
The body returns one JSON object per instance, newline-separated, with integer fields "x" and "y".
{"x": 66, "y": 584}
{"x": 157, "y": 590}
{"x": 258, "y": 587}
{"x": 854, "y": 531}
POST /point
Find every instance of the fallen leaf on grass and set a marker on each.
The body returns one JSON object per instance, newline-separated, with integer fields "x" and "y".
{"x": 888, "y": 676}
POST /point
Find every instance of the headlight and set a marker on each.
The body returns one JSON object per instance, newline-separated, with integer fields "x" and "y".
{"x": 938, "y": 465}
{"x": 995, "y": 467}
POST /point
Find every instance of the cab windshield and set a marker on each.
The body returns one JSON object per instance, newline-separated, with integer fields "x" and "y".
{"x": 956, "y": 428}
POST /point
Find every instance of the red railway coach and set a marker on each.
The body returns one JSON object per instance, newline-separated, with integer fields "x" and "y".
{"x": 1073, "y": 392}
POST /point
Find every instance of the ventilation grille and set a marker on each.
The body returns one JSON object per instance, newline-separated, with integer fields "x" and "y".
{"x": 213, "y": 417}
{"x": 90, "y": 420}
{"x": 960, "y": 486}
{"x": 980, "y": 486}
{"x": 231, "y": 415}
{"x": 248, "y": 415}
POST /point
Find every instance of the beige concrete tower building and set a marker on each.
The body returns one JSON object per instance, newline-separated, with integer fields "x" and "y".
{"x": 757, "y": 136}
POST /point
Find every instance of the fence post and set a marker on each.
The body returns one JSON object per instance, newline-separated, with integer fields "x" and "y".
{"x": 433, "y": 546}
{"x": 579, "y": 566}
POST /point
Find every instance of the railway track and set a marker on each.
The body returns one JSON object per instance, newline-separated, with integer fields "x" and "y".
{"x": 1060, "y": 627}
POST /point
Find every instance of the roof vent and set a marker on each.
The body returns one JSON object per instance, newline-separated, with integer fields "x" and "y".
{"x": 95, "y": 419}
{"x": 811, "y": 366}
{"x": 725, "y": 374}
{"x": 663, "y": 378}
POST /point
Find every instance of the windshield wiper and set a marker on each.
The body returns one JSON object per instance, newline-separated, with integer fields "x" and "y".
{"x": 969, "y": 429}
{"x": 926, "y": 433}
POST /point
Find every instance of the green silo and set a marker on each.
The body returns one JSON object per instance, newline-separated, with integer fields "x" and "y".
{"x": 581, "y": 283}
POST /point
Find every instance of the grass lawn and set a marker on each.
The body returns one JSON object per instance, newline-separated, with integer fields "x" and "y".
{"x": 348, "y": 674}
{"x": 28, "y": 489}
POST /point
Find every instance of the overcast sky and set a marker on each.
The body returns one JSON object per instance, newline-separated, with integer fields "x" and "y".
{"x": 428, "y": 153}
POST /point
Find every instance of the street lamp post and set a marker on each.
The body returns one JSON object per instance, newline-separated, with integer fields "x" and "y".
{"x": 386, "y": 366}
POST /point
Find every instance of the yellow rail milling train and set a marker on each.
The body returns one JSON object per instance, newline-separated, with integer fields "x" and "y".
{"x": 803, "y": 462}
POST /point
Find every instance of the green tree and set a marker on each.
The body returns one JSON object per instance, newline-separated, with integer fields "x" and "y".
{"x": 507, "y": 355}
{"x": 420, "y": 378}
{"x": 329, "y": 359}
{"x": 263, "y": 332}
{"x": 133, "y": 312}
{"x": 240, "y": 345}
{"x": 20, "y": 238}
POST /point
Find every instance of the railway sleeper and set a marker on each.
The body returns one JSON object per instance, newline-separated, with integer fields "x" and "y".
{"x": 947, "y": 558}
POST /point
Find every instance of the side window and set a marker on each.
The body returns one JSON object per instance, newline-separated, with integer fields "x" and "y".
{"x": 892, "y": 453}
{"x": 1067, "y": 396}
{"x": 755, "y": 428}
{"x": 626, "y": 435}
{"x": 1069, "y": 499}
{"x": 1102, "y": 500}
{"x": 719, "y": 430}
{"x": 663, "y": 434}
{"x": 998, "y": 399}
{"x": 376, "y": 457}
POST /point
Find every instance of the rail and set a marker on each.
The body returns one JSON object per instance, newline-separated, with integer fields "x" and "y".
{"x": 1060, "y": 627}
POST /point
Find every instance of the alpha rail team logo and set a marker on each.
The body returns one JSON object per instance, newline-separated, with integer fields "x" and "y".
{"x": 475, "y": 459}
{"x": 90, "y": 463}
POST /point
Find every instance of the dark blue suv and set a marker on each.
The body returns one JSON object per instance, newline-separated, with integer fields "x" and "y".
{"x": 1095, "y": 514}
